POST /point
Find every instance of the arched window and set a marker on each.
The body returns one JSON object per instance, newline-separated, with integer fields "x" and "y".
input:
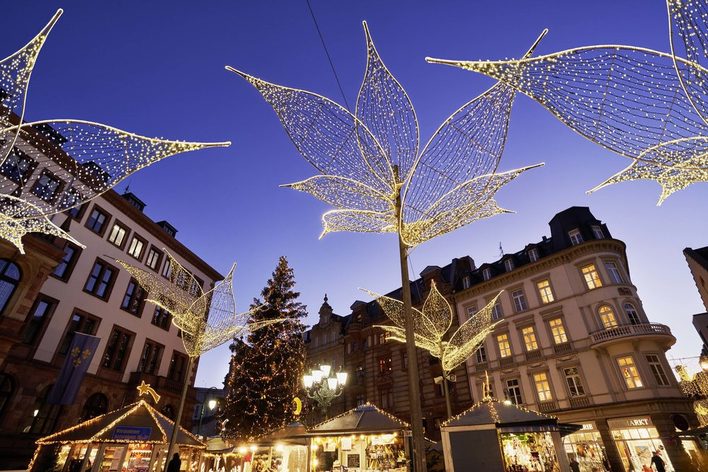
{"x": 10, "y": 276}
{"x": 45, "y": 414}
{"x": 607, "y": 316}
{"x": 632, "y": 314}
{"x": 168, "y": 411}
{"x": 7, "y": 388}
{"x": 96, "y": 405}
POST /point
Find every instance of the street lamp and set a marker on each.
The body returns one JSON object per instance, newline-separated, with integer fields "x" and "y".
{"x": 323, "y": 385}
{"x": 211, "y": 403}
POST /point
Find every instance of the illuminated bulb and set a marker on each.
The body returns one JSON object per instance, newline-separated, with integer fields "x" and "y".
{"x": 317, "y": 375}
{"x": 308, "y": 380}
{"x": 332, "y": 383}
{"x": 325, "y": 369}
{"x": 342, "y": 378}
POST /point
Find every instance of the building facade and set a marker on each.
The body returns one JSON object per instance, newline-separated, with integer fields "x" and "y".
{"x": 72, "y": 289}
{"x": 697, "y": 260}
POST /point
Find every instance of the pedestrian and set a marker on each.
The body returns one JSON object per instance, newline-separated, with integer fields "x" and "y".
{"x": 658, "y": 462}
{"x": 174, "y": 464}
{"x": 574, "y": 465}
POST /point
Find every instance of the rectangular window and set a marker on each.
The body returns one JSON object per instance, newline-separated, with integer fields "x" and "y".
{"x": 572, "y": 379}
{"x": 18, "y": 166}
{"x": 118, "y": 235}
{"x": 575, "y": 236}
{"x": 153, "y": 258}
{"x": 632, "y": 314}
{"x": 497, "y": 311}
{"x": 195, "y": 287}
{"x": 150, "y": 358}
{"x": 558, "y": 331}
{"x": 533, "y": 255}
{"x": 69, "y": 199}
{"x": 597, "y": 232}
{"x": 504, "y": 345}
{"x": 607, "y": 316}
{"x": 47, "y": 186}
{"x": 543, "y": 386}
{"x": 167, "y": 269}
{"x": 79, "y": 323}
{"x": 487, "y": 273}
{"x": 385, "y": 364}
{"x": 466, "y": 282}
{"x": 519, "y": 300}
{"x": 134, "y": 298}
{"x": 530, "y": 341}
{"x": 100, "y": 280}
{"x": 117, "y": 348}
{"x": 513, "y": 391}
{"x": 613, "y": 272}
{"x": 471, "y": 310}
{"x": 481, "y": 355}
{"x": 97, "y": 221}
{"x": 629, "y": 372}
{"x": 39, "y": 314}
{"x": 135, "y": 249}
{"x": 545, "y": 291}
{"x": 591, "y": 277}
{"x": 178, "y": 365}
{"x": 66, "y": 266}
{"x": 509, "y": 265}
{"x": 161, "y": 318}
{"x": 77, "y": 212}
{"x": 658, "y": 370}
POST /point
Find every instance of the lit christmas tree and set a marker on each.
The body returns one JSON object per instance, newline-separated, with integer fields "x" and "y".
{"x": 266, "y": 369}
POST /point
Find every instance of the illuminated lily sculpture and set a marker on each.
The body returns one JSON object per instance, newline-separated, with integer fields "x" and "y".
{"x": 206, "y": 319}
{"x": 378, "y": 181}
{"x": 646, "y": 105}
{"x": 50, "y": 166}
{"x": 431, "y": 325}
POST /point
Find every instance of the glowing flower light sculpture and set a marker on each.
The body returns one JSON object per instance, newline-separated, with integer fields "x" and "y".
{"x": 376, "y": 178}
{"x": 645, "y": 105}
{"x": 49, "y": 166}
{"x": 431, "y": 325}
{"x": 206, "y": 319}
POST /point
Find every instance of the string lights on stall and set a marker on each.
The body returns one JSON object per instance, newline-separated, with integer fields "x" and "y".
{"x": 374, "y": 174}
{"x": 50, "y": 166}
{"x": 645, "y": 105}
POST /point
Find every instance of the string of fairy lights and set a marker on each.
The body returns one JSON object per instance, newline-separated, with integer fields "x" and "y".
{"x": 646, "y": 105}
{"x": 50, "y": 166}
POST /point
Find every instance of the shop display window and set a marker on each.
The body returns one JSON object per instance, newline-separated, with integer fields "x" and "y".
{"x": 529, "y": 452}
{"x": 585, "y": 446}
{"x": 637, "y": 445}
{"x": 359, "y": 453}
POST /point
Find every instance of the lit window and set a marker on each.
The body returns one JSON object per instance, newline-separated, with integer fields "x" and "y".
{"x": 544, "y": 290}
{"x": 508, "y": 265}
{"x": 513, "y": 391}
{"x": 529, "y": 335}
{"x": 533, "y": 255}
{"x": 481, "y": 355}
{"x": 487, "y": 273}
{"x": 558, "y": 331}
{"x": 597, "y": 232}
{"x": 519, "y": 300}
{"x": 632, "y": 314}
{"x": 575, "y": 385}
{"x": 613, "y": 272}
{"x": 591, "y": 277}
{"x": 658, "y": 370}
{"x": 47, "y": 186}
{"x": 153, "y": 258}
{"x": 504, "y": 346}
{"x": 497, "y": 311}
{"x": 607, "y": 316}
{"x": 471, "y": 310}
{"x": 543, "y": 387}
{"x": 136, "y": 247}
{"x": 575, "y": 237}
{"x": 97, "y": 221}
{"x": 629, "y": 372}
{"x": 117, "y": 235}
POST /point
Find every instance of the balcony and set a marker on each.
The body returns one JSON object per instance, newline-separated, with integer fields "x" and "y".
{"x": 547, "y": 406}
{"x": 579, "y": 402}
{"x": 644, "y": 330}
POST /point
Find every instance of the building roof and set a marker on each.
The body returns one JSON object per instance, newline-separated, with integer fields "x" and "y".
{"x": 494, "y": 412}
{"x": 699, "y": 255}
{"x": 363, "y": 419}
{"x": 137, "y": 422}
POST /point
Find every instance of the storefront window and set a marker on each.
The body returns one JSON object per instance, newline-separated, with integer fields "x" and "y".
{"x": 374, "y": 453}
{"x": 637, "y": 440}
{"x": 531, "y": 452}
{"x": 585, "y": 447}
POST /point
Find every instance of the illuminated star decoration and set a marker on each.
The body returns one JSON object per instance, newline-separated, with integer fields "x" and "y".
{"x": 370, "y": 164}
{"x": 432, "y": 323}
{"x": 146, "y": 389}
{"x": 646, "y": 105}
{"x": 206, "y": 319}
{"x": 49, "y": 166}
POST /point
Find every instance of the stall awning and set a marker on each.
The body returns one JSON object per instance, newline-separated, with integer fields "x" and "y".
{"x": 494, "y": 412}
{"x": 363, "y": 419}
{"x": 137, "y": 422}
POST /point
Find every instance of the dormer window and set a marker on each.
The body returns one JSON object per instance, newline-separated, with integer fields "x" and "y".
{"x": 509, "y": 265}
{"x": 533, "y": 255}
{"x": 575, "y": 237}
{"x": 487, "y": 273}
{"x": 597, "y": 232}
{"x": 466, "y": 282}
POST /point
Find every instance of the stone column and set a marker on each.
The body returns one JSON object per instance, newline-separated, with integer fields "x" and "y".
{"x": 613, "y": 454}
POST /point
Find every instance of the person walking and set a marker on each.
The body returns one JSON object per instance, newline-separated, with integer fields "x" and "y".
{"x": 176, "y": 463}
{"x": 657, "y": 462}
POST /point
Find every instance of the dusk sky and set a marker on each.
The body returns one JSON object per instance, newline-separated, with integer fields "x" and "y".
{"x": 157, "y": 68}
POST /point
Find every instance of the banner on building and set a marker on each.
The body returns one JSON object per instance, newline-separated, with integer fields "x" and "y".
{"x": 77, "y": 361}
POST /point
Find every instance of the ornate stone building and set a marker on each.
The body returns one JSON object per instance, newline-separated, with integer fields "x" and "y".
{"x": 698, "y": 264}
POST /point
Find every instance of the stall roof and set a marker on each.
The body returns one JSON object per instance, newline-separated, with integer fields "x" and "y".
{"x": 137, "y": 422}
{"x": 494, "y": 412}
{"x": 365, "y": 418}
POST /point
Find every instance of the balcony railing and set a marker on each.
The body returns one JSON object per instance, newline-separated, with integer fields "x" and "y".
{"x": 579, "y": 402}
{"x": 624, "y": 331}
{"x": 547, "y": 406}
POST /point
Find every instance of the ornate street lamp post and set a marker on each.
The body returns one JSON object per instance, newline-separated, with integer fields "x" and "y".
{"x": 323, "y": 385}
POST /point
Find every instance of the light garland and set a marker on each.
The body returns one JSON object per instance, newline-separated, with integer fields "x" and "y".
{"x": 642, "y": 104}
{"x": 370, "y": 161}
{"x": 432, "y": 324}
{"x": 361, "y": 407}
{"x": 695, "y": 387}
{"x": 50, "y": 166}
{"x": 493, "y": 403}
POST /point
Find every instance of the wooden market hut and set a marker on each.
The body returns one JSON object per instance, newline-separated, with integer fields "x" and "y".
{"x": 501, "y": 436}
{"x": 130, "y": 439}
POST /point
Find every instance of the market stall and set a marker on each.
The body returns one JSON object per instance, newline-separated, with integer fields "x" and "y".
{"x": 131, "y": 439}
{"x": 365, "y": 439}
{"x": 495, "y": 435}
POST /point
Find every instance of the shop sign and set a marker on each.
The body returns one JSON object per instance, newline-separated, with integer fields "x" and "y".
{"x": 587, "y": 427}
{"x": 132, "y": 433}
{"x": 642, "y": 422}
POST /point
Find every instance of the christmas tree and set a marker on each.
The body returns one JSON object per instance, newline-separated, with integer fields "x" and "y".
{"x": 267, "y": 367}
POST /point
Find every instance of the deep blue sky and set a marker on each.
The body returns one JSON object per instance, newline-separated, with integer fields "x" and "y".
{"x": 157, "y": 68}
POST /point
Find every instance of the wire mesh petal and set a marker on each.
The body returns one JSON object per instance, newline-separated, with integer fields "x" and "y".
{"x": 438, "y": 312}
{"x": 358, "y": 221}
{"x": 344, "y": 193}
{"x": 395, "y": 333}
